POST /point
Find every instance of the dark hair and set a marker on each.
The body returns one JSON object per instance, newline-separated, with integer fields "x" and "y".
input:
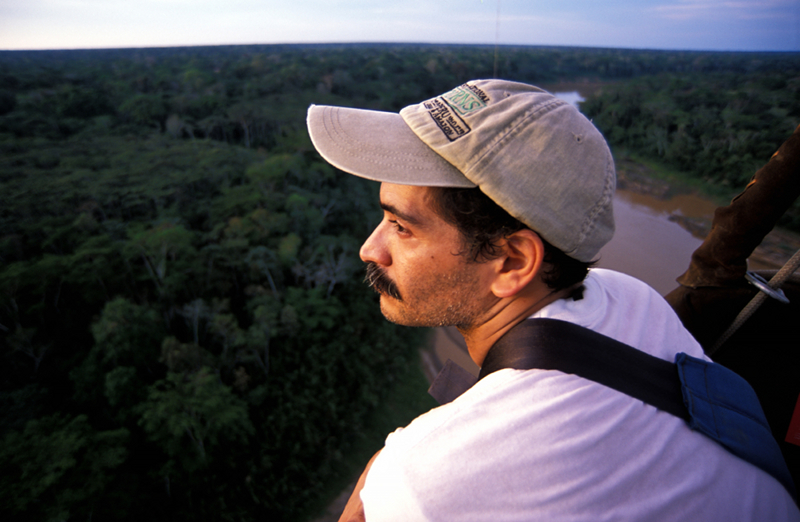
{"x": 482, "y": 224}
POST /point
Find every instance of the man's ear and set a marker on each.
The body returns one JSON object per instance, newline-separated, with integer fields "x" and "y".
{"x": 520, "y": 263}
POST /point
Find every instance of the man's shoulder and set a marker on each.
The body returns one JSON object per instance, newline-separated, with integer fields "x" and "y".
{"x": 605, "y": 276}
{"x": 629, "y": 311}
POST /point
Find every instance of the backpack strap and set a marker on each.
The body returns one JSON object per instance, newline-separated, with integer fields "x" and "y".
{"x": 551, "y": 344}
{"x": 709, "y": 397}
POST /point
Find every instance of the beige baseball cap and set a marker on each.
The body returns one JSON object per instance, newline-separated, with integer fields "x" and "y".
{"x": 533, "y": 154}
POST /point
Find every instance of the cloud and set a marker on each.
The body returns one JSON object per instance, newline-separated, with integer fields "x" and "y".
{"x": 715, "y": 9}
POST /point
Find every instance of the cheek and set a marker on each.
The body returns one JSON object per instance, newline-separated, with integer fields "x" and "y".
{"x": 416, "y": 263}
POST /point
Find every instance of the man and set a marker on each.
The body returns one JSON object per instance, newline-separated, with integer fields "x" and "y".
{"x": 497, "y": 197}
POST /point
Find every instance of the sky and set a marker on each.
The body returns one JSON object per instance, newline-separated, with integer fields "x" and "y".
{"x": 725, "y": 25}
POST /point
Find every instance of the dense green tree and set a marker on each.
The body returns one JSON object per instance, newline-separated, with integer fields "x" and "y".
{"x": 8, "y": 101}
{"x": 145, "y": 109}
{"x": 189, "y": 414}
{"x": 56, "y": 468}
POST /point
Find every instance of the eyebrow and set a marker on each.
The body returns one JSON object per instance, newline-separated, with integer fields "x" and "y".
{"x": 413, "y": 220}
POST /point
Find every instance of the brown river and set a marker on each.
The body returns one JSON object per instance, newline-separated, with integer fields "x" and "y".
{"x": 649, "y": 245}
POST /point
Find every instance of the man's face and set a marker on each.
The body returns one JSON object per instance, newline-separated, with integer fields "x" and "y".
{"x": 414, "y": 263}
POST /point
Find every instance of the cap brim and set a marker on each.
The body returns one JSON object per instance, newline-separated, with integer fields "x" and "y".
{"x": 378, "y": 146}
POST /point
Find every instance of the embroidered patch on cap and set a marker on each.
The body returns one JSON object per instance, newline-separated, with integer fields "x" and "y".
{"x": 447, "y": 120}
{"x": 447, "y": 110}
{"x": 466, "y": 99}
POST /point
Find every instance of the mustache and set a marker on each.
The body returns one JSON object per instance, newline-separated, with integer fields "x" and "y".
{"x": 377, "y": 279}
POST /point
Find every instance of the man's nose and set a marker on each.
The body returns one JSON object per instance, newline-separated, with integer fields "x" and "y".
{"x": 374, "y": 249}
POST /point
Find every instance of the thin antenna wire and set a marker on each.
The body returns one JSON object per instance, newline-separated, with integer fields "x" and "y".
{"x": 496, "y": 38}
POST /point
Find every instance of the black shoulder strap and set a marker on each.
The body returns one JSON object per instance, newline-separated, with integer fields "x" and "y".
{"x": 550, "y": 344}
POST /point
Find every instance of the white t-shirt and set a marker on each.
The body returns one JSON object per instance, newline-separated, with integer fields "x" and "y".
{"x": 526, "y": 445}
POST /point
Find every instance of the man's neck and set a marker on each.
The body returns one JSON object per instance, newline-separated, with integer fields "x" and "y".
{"x": 505, "y": 315}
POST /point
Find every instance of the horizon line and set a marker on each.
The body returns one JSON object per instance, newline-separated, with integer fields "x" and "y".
{"x": 442, "y": 44}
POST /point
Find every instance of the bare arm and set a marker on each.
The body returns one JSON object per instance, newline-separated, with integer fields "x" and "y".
{"x": 354, "y": 510}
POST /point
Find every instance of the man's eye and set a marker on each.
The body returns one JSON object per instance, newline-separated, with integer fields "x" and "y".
{"x": 398, "y": 226}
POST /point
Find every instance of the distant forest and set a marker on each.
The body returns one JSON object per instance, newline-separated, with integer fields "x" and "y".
{"x": 184, "y": 330}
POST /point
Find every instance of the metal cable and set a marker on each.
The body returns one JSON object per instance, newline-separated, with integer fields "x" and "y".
{"x": 775, "y": 283}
